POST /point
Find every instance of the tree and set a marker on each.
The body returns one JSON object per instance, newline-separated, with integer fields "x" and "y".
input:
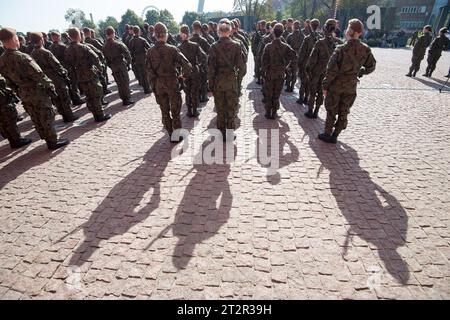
{"x": 252, "y": 7}
{"x": 152, "y": 17}
{"x": 191, "y": 16}
{"x": 77, "y": 18}
{"x": 109, "y": 21}
{"x": 163, "y": 16}
{"x": 131, "y": 18}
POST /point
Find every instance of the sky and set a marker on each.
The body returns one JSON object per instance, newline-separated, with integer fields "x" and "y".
{"x": 43, "y": 15}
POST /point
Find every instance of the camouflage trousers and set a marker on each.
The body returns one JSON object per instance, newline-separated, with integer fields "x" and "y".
{"x": 416, "y": 61}
{"x": 304, "y": 87}
{"x": 74, "y": 91}
{"x": 432, "y": 62}
{"x": 193, "y": 85}
{"x": 8, "y": 123}
{"x": 257, "y": 67}
{"x": 140, "y": 71}
{"x": 241, "y": 78}
{"x": 39, "y": 106}
{"x": 168, "y": 97}
{"x": 291, "y": 77}
{"x": 338, "y": 104}
{"x": 122, "y": 78}
{"x": 204, "y": 83}
{"x": 94, "y": 94}
{"x": 63, "y": 104}
{"x": 315, "y": 92}
{"x": 272, "y": 92}
{"x": 227, "y": 103}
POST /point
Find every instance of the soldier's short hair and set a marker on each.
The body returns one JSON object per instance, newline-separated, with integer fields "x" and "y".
{"x": 283, "y": 22}
{"x": 146, "y": 25}
{"x": 278, "y": 30}
{"x": 185, "y": 29}
{"x": 205, "y": 27}
{"x": 356, "y": 25}
{"x": 290, "y": 20}
{"x": 224, "y": 25}
{"x": 273, "y": 23}
{"x": 55, "y": 33}
{"x": 297, "y": 24}
{"x": 86, "y": 30}
{"x": 307, "y": 21}
{"x": 263, "y": 23}
{"x": 136, "y": 30}
{"x": 35, "y": 37}
{"x": 151, "y": 28}
{"x": 160, "y": 30}
{"x": 429, "y": 28}
{"x": 7, "y": 34}
{"x": 109, "y": 31}
{"x": 315, "y": 23}
{"x": 197, "y": 25}
{"x": 73, "y": 33}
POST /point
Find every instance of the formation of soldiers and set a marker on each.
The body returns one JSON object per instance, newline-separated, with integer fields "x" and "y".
{"x": 202, "y": 58}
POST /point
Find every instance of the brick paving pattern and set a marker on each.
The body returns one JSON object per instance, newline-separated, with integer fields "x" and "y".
{"x": 113, "y": 217}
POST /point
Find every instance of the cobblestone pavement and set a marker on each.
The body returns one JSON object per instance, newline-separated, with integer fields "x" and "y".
{"x": 112, "y": 216}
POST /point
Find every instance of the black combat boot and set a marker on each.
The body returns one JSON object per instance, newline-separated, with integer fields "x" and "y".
{"x": 102, "y": 118}
{"x": 309, "y": 114}
{"x": 73, "y": 118}
{"x": 148, "y": 91}
{"x": 128, "y": 102}
{"x": 316, "y": 113}
{"x": 189, "y": 113}
{"x": 174, "y": 140}
{"x": 274, "y": 115}
{"x": 21, "y": 143}
{"x": 334, "y": 137}
{"x": 195, "y": 113}
{"x": 104, "y": 102}
{"x": 268, "y": 115}
{"x": 59, "y": 144}
{"x": 326, "y": 138}
{"x": 299, "y": 101}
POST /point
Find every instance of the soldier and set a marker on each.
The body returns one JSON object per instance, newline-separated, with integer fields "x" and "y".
{"x": 289, "y": 28}
{"x": 47, "y": 43}
{"x": 306, "y": 27}
{"x": 236, "y": 36}
{"x": 138, "y": 49}
{"x": 118, "y": 58}
{"x": 65, "y": 38}
{"x": 145, "y": 32}
{"x": 197, "y": 58}
{"x": 277, "y": 57}
{"x": 419, "y": 51}
{"x": 197, "y": 38}
{"x": 59, "y": 50}
{"x": 295, "y": 40}
{"x": 87, "y": 66}
{"x": 256, "y": 40}
{"x": 162, "y": 62}
{"x": 126, "y": 34}
{"x": 99, "y": 39}
{"x": 206, "y": 35}
{"x": 213, "y": 30}
{"x": 151, "y": 34}
{"x": 8, "y": 118}
{"x": 24, "y": 76}
{"x": 317, "y": 66}
{"x": 439, "y": 44}
{"x": 23, "y": 46}
{"x": 305, "y": 52}
{"x": 56, "y": 72}
{"x": 348, "y": 62}
{"x": 241, "y": 41}
{"x": 225, "y": 67}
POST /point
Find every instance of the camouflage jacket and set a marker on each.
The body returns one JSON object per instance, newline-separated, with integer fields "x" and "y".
{"x": 59, "y": 50}
{"x": 162, "y": 62}
{"x": 83, "y": 61}
{"x": 264, "y": 42}
{"x": 49, "y": 64}
{"x": 238, "y": 36}
{"x": 94, "y": 42}
{"x": 117, "y": 54}
{"x": 23, "y": 74}
{"x": 307, "y": 47}
{"x": 438, "y": 45}
{"x": 349, "y": 61}
{"x": 202, "y": 42}
{"x": 422, "y": 44}
{"x": 99, "y": 53}
{"x": 209, "y": 38}
{"x": 138, "y": 49}
{"x": 225, "y": 65}
{"x": 287, "y": 33}
{"x": 195, "y": 55}
{"x": 320, "y": 55}
{"x": 5, "y": 92}
{"x": 276, "y": 57}
{"x": 256, "y": 40}
{"x": 295, "y": 40}
{"x": 242, "y": 45}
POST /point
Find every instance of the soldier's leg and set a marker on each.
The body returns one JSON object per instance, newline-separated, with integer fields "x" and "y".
{"x": 41, "y": 112}
{"x": 137, "y": 73}
{"x": 63, "y": 103}
{"x": 331, "y": 105}
{"x": 188, "y": 91}
{"x": 313, "y": 90}
{"x": 123, "y": 84}
{"x": 74, "y": 91}
{"x": 164, "y": 104}
{"x": 267, "y": 94}
{"x": 145, "y": 83}
{"x": 204, "y": 87}
{"x": 220, "y": 103}
{"x": 94, "y": 94}
{"x": 176, "y": 102}
{"x": 195, "y": 90}
{"x": 277, "y": 89}
{"x": 8, "y": 126}
{"x": 302, "y": 93}
{"x": 319, "y": 97}
{"x": 345, "y": 103}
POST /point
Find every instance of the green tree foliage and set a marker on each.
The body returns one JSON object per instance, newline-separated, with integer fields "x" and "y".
{"x": 109, "y": 21}
{"x": 257, "y": 8}
{"x": 164, "y": 16}
{"x": 191, "y": 16}
{"x": 77, "y": 18}
{"x": 152, "y": 17}
{"x": 130, "y": 17}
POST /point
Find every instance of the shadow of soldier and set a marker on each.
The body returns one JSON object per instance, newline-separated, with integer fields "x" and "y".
{"x": 120, "y": 210}
{"x": 273, "y": 156}
{"x": 433, "y": 83}
{"x": 372, "y": 213}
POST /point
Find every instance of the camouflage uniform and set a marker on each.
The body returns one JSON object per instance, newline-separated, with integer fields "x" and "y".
{"x": 102, "y": 78}
{"x": 86, "y": 64}
{"x": 59, "y": 50}
{"x": 348, "y": 62}
{"x": 225, "y": 67}
{"x": 419, "y": 53}
{"x": 118, "y": 58}
{"x": 276, "y": 57}
{"x": 197, "y": 57}
{"x": 162, "y": 62}
{"x": 438, "y": 45}
{"x": 256, "y": 40}
{"x": 27, "y": 78}
{"x": 99, "y": 46}
{"x": 303, "y": 57}
{"x": 295, "y": 40}
{"x": 138, "y": 50}
{"x": 315, "y": 69}
{"x": 203, "y": 70}
{"x": 243, "y": 72}
{"x": 56, "y": 72}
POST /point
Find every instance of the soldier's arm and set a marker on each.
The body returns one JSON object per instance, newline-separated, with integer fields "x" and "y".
{"x": 181, "y": 60}
{"x": 56, "y": 65}
{"x": 240, "y": 64}
{"x": 292, "y": 57}
{"x": 94, "y": 58}
{"x": 33, "y": 71}
{"x": 265, "y": 60}
{"x": 202, "y": 57}
{"x": 369, "y": 65}
{"x": 313, "y": 58}
{"x": 212, "y": 60}
{"x": 332, "y": 69}
{"x": 149, "y": 66}
{"x": 126, "y": 53}
{"x": 206, "y": 46}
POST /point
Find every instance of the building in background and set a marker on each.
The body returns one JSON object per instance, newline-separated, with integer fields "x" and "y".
{"x": 414, "y": 14}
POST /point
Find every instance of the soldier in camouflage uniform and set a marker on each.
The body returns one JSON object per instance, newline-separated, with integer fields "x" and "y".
{"x": 162, "y": 62}
{"x": 419, "y": 51}
{"x": 87, "y": 66}
{"x": 305, "y": 52}
{"x": 59, "y": 50}
{"x": 295, "y": 40}
{"x": 138, "y": 49}
{"x": 118, "y": 58}
{"x": 197, "y": 57}
{"x": 89, "y": 39}
{"x": 206, "y": 34}
{"x": 225, "y": 67}
{"x": 241, "y": 40}
{"x": 439, "y": 44}
{"x": 8, "y": 118}
{"x": 24, "y": 76}
{"x": 348, "y": 62}
{"x": 56, "y": 72}
{"x": 317, "y": 66}
{"x": 289, "y": 28}
{"x": 151, "y": 34}
{"x": 277, "y": 57}
{"x": 256, "y": 40}
{"x": 197, "y": 38}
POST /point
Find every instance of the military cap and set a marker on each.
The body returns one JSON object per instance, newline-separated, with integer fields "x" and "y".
{"x": 73, "y": 32}
{"x": 297, "y": 24}
{"x": 196, "y": 25}
{"x": 35, "y": 37}
{"x": 136, "y": 30}
{"x": 330, "y": 22}
{"x": 290, "y": 20}
{"x": 55, "y": 33}
{"x": 315, "y": 23}
{"x": 109, "y": 31}
{"x": 356, "y": 25}
{"x": 284, "y": 21}
{"x": 443, "y": 30}
{"x": 185, "y": 29}
{"x": 160, "y": 29}
{"x": 7, "y": 34}
{"x": 429, "y": 28}
{"x": 273, "y": 23}
{"x": 263, "y": 23}
{"x": 86, "y": 30}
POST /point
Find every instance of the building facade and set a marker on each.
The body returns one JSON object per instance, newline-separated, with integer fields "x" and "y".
{"x": 414, "y": 14}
